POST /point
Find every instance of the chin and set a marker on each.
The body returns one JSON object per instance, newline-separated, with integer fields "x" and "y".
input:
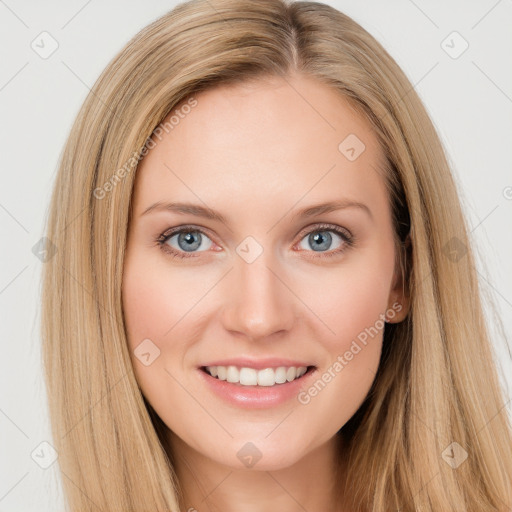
{"x": 258, "y": 455}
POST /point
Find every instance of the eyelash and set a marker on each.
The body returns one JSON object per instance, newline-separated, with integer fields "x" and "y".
{"x": 348, "y": 240}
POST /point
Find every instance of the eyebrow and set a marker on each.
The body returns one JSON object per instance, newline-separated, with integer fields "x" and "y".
{"x": 332, "y": 206}
{"x": 208, "y": 213}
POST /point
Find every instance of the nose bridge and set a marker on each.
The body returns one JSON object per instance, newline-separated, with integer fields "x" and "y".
{"x": 259, "y": 303}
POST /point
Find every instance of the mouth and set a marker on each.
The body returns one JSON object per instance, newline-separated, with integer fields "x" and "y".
{"x": 258, "y": 378}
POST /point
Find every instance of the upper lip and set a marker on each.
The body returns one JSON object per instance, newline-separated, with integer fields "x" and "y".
{"x": 258, "y": 364}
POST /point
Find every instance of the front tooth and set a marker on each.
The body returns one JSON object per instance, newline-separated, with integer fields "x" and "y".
{"x": 281, "y": 375}
{"x": 233, "y": 374}
{"x": 266, "y": 377}
{"x": 291, "y": 373}
{"x": 248, "y": 377}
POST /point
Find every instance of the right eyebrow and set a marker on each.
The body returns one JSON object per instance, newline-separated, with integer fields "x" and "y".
{"x": 186, "y": 208}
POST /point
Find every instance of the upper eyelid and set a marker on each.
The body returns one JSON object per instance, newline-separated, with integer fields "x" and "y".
{"x": 326, "y": 227}
{"x": 167, "y": 234}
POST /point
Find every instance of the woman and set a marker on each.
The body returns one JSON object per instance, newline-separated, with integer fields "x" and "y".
{"x": 200, "y": 353}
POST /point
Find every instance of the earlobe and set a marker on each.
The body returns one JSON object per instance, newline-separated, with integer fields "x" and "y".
{"x": 397, "y": 312}
{"x": 399, "y": 297}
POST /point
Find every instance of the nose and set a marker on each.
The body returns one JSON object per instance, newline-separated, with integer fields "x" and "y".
{"x": 258, "y": 299}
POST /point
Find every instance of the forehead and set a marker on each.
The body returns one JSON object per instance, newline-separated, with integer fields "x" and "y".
{"x": 278, "y": 138}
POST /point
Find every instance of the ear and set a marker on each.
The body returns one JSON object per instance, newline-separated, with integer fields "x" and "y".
{"x": 399, "y": 301}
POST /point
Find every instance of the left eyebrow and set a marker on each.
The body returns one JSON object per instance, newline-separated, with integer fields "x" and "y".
{"x": 319, "y": 209}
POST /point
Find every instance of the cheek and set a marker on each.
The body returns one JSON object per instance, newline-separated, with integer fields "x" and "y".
{"x": 161, "y": 304}
{"x": 157, "y": 298}
{"x": 354, "y": 313}
{"x": 152, "y": 306}
{"x": 352, "y": 307}
{"x": 350, "y": 301}
{"x": 145, "y": 302}
{"x": 155, "y": 304}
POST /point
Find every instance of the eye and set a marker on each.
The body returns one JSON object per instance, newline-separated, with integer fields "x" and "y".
{"x": 186, "y": 240}
{"x": 321, "y": 240}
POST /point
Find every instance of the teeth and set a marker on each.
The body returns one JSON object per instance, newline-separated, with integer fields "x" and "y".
{"x": 221, "y": 372}
{"x": 251, "y": 377}
{"x": 248, "y": 376}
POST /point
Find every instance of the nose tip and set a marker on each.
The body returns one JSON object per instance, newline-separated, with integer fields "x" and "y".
{"x": 258, "y": 303}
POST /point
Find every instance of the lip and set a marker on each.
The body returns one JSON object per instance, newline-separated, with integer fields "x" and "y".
{"x": 258, "y": 364}
{"x": 256, "y": 397}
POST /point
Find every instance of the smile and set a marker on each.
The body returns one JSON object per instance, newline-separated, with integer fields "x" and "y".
{"x": 247, "y": 388}
{"x": 246, "y": 376}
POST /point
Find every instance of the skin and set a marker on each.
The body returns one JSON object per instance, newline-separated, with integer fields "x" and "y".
{"x": 258, "y": 153}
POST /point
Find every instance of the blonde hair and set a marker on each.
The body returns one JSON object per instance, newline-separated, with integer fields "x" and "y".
{"x": 437, "y": 382}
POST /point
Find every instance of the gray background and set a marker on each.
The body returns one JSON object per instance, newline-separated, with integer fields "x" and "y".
{"x": 468, "y": 98}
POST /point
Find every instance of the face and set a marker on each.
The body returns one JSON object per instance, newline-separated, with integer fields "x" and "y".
{"x": 267, "y": 279}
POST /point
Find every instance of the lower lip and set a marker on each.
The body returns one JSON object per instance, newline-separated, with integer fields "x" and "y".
{"x": 256, "y": 397}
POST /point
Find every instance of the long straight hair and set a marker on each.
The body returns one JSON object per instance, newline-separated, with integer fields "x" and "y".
{"x": 437, "y": 383}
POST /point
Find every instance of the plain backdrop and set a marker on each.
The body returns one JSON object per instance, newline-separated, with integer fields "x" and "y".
{"x": 467, "y": 92}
